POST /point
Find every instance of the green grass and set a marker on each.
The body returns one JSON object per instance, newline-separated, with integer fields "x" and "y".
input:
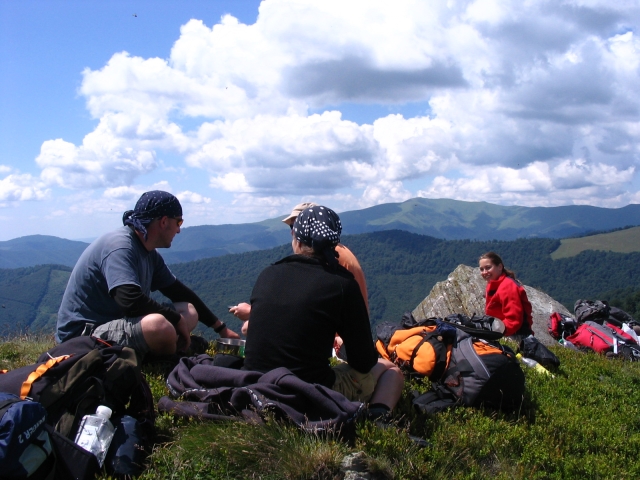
{"x": 18, "y": 351}
{"x": 584, "y": 423}
{"x": 621, "y": 241}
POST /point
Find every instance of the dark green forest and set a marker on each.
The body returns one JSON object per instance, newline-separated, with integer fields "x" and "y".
{"x": 30, "y": 297}
{"x": 400, "y": 268}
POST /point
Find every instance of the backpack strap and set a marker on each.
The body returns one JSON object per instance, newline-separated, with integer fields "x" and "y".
{"x": 436, "y": 400}
{"x": 39, "y": 372}
{"x": 440, "y": 350}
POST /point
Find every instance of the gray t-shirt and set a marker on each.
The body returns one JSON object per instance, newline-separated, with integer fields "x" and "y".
{"x": 117, "y": 258}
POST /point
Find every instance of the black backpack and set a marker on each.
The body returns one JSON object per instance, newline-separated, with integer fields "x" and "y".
{"x": 480, "y": 372}
{"x": 618, "y": 317}
{"x": 592, "y": 310}
{"x": 530, "y": 347}
{"x": 70, "y": 381}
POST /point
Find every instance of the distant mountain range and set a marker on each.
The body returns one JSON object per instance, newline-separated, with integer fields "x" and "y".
{"x": 39, "y": 250}
{"x": 400, "y": 269}
{"x": 444, "y": 219}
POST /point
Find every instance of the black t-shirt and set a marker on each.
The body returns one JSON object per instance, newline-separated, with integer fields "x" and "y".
{"x": 297, "y": 307}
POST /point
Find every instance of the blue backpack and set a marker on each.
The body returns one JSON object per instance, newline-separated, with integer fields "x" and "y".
{"x": 25, "y": 445}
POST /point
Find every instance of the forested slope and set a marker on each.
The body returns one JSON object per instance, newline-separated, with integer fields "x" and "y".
{"x": 400, "y": 267}
{"x": 30, "y": 297}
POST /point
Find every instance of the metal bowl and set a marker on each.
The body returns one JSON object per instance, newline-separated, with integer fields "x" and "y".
{"x": 230, "y": 346}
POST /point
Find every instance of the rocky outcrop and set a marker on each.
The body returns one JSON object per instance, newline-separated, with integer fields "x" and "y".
{"x": 463, "y": 292}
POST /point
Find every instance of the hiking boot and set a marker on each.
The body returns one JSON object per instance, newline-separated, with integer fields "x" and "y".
{"x": 378, "y": 415}
{"x": 420, "y": 442}
{"x": 163, "y": 362}
{"x": 199, "y": 345}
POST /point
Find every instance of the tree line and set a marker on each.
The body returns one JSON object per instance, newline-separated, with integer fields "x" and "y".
{"x": 400, "y": 268}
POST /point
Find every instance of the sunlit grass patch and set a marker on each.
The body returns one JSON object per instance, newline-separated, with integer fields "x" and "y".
{"x": 584, "y": 423}
{"x": 20, "y": 350}
{"x": 244, "y": 450}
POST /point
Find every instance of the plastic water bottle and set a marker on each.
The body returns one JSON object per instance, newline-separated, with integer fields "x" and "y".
{"x": 567, "y": 344}
{"x": 531, "y": 363}
{"x": 96, "y": 432}
{"x": 631, "y": 332}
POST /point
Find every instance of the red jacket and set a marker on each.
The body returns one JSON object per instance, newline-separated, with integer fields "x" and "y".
{"x": 507, "y": 300}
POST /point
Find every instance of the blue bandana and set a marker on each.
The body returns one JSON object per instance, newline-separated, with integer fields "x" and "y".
{"x": 319, "y": 228}
{"x": 152, "y": 205}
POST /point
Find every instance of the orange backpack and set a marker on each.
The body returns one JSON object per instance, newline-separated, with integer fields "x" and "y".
{"x": 424, "y": 349}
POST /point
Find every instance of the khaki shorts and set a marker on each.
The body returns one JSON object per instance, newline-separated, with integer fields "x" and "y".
{"x": 356, "y": 386}
{"x": 124, "y": 331}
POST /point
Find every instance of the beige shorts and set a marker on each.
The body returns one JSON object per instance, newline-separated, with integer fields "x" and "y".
{"x": 352, "y": 384}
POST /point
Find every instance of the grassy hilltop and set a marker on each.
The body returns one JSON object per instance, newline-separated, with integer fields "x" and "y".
{"x": 584, "y": 423}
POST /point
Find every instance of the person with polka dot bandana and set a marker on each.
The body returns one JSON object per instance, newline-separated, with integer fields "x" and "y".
{"x": 298, "y": 305}
{"x": 346, "y": 258}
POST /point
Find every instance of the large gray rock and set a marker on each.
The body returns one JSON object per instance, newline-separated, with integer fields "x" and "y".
{"x": 463, "y": 292}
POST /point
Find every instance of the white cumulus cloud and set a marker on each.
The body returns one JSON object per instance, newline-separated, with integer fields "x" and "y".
{"x": 20, "y": 187}
{"x": 534, "y": 103}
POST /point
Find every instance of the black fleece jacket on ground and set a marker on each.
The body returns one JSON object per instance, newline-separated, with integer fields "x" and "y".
{"x": 297, "y": 306}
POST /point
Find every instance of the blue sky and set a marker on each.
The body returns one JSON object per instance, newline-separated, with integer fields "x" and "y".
{"x": 243, "y": 109}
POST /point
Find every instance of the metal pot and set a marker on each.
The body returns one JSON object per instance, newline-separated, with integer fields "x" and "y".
{"x": 230, "y": 346}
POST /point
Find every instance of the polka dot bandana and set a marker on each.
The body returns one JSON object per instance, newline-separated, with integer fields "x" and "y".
{"x": 320, "y": 228}
{"x": 152, "y": 205}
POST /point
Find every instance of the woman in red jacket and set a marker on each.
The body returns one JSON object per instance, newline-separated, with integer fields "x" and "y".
{"x": 505, "y": 297}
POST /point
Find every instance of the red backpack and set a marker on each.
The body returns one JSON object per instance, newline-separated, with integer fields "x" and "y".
{"x": 561, "y": 325}
{"x": 605, "y": 338}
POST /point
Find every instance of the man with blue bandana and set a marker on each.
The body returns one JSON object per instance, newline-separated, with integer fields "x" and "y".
{"x": 108, "y": 294}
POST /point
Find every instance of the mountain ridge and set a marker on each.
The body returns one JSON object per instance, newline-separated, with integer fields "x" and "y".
{"x": 440, "y": 218}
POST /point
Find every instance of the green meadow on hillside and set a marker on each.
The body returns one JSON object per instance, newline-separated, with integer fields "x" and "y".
{"x": 620, "y": 241}
{"x": 584, "y": 423}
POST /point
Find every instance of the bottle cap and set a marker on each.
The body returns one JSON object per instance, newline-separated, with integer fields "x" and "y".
{"x": 103, "y": 411}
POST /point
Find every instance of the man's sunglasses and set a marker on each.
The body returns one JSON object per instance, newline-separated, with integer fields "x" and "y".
{"x": 179, "y": 221}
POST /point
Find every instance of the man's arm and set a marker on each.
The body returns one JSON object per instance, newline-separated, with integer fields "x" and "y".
{"x": 179, "y": 292}
{"x": 134, "y": 303}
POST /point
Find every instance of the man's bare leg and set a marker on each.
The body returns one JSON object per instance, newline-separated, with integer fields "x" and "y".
{"x": 161, "y": 336}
